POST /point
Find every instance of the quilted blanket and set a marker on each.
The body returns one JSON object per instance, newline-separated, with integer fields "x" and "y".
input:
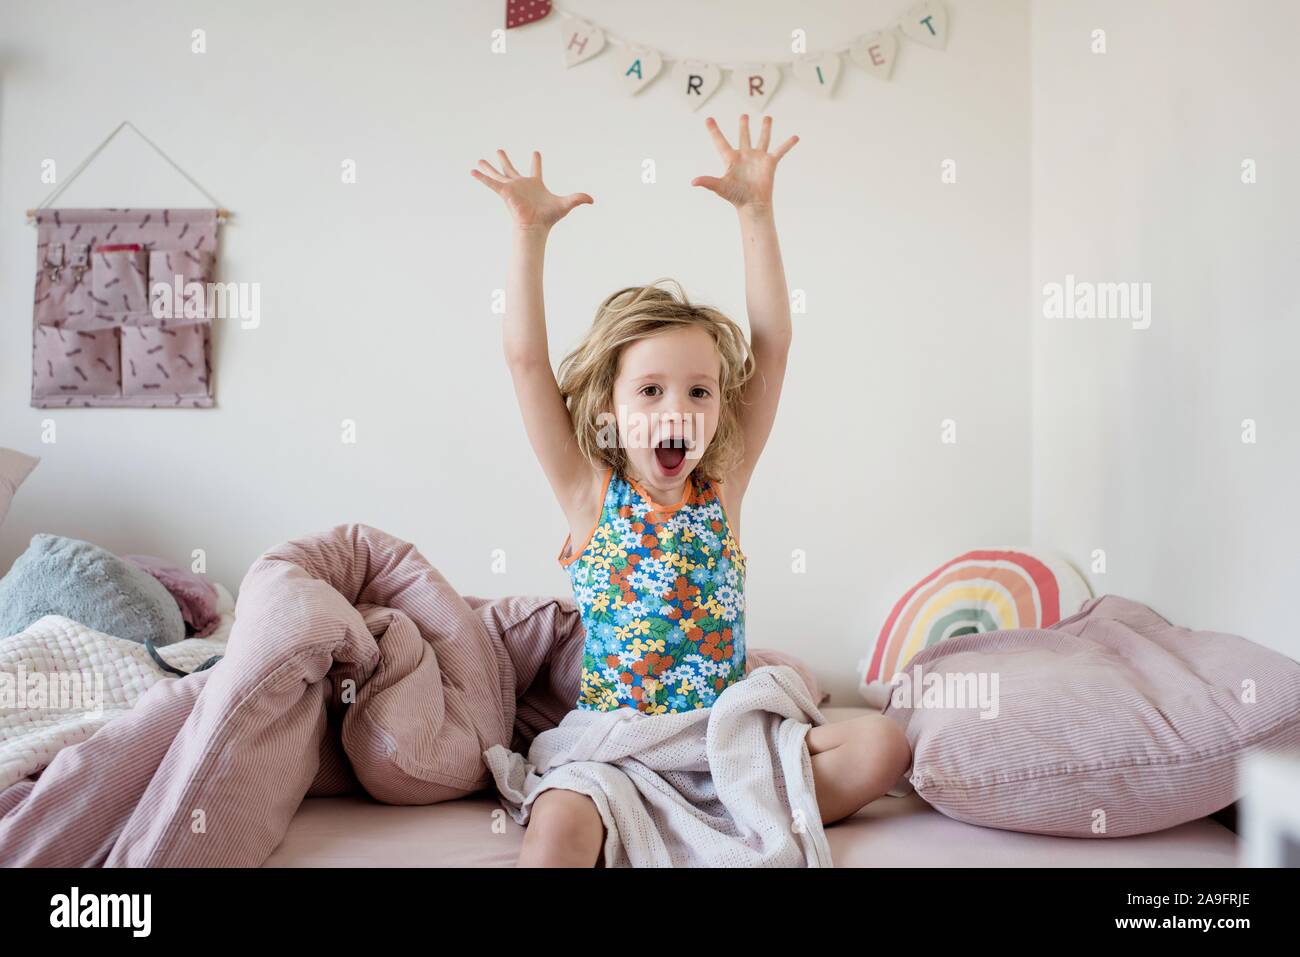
{"x": 352, "y": 664}
{"x": 61, "y": 681}
{"x": 727, "y": 786}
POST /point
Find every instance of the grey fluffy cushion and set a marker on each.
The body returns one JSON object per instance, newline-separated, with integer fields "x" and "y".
{"x": 81, "y": 581}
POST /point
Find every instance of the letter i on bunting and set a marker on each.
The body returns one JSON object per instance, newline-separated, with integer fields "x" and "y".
{"x": 819, "y": 71}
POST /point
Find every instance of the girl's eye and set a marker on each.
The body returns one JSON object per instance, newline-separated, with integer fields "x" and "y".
{"x": 699, "y": 392}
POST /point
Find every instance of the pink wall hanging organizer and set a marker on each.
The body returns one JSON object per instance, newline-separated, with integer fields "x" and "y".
{"x": 122, "y": 314}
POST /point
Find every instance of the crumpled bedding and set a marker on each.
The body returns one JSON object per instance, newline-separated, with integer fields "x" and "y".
{"x": 352, "y": 665}
{"x": 98, "y": 677}
{"x": 727, "y": 786}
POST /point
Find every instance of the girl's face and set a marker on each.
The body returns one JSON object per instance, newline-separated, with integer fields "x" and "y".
{"x": 667, "y": 402}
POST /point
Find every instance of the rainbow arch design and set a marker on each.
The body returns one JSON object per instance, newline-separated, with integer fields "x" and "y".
{"x": 982, "y": 590}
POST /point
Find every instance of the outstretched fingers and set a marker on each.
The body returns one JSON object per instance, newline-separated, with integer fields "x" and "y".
{"x": 786, "y": 147}
{"x": 708, "y": 182}
{"x": 506, "y": 164}
{"x": 493, "y": 184}
{"x": 537, "y": 165}
{"x": 720, "y": 141}
{"x": 744, "y": 142}
{"x": 491, "y": 171}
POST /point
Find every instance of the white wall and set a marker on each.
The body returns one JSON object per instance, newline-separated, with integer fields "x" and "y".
{"x": 376, "y": 296}
{"x": 1137, "y": 433}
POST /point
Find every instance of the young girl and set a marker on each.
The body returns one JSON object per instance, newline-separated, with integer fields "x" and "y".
{"x": 649, "y": 440}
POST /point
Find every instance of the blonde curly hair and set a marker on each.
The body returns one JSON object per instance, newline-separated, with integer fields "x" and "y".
{"x": 587, "y": 374}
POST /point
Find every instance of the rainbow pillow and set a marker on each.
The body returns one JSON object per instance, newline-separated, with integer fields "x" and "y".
{"x": 988, "y": 589}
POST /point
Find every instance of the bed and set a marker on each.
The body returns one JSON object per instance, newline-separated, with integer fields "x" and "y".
{"x": 471, "y": 831}
{"x": 890, "y": 832}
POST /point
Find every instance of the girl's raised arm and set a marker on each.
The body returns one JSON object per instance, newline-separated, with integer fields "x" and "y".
{"x": 747, "y": 185}
{"x": 534, "y": 210}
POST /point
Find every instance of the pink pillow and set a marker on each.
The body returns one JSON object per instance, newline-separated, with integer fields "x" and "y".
{"x": 14, "y": 468}
{"x": 194, "y": 593}
{"x": 1109, "y": 723}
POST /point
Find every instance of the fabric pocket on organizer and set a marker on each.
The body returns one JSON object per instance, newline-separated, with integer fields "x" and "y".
{"x": 75, "y": 362}
{"x": 178, "y": 281}
{"x": 119, "y": 280}
{"x": 63, "y": 286}
{"x": 170, "y": 360}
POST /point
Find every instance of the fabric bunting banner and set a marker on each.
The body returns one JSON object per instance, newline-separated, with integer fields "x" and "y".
{"x": 695, "y": 81}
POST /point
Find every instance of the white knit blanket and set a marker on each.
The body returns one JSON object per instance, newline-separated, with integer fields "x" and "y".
{"x": 727, "y": 786}
{"x": 61, "y": 681}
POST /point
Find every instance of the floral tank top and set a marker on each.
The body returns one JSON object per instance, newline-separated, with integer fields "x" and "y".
{"x": 661, "y": 591}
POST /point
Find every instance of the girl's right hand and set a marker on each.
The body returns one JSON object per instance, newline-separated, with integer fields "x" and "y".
{"x": 531, "y": 204}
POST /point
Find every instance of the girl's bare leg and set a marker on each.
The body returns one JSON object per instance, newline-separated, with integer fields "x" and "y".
{"x": 564, "y": 830}
{"x": 854, "y": 762}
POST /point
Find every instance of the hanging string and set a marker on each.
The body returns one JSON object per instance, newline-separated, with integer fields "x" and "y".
{"x": 730, "y": 67}
{"x": 222, "y": 213}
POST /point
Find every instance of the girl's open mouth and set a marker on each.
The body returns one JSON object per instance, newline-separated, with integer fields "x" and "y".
{"x": 671, "y": 456}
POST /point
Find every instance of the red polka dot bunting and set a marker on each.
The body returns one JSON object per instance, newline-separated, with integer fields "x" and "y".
{"x": 519, "y": 12}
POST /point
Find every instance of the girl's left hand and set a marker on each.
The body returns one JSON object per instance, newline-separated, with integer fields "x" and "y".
{"x": 747, "y": 181}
